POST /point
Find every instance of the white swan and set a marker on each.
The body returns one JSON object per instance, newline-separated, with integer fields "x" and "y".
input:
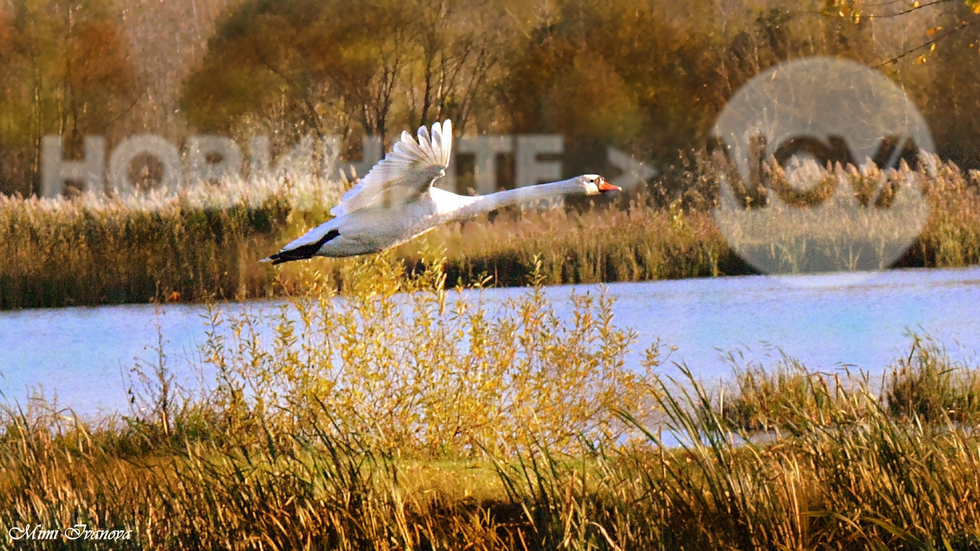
{"x": 395, "y": 201}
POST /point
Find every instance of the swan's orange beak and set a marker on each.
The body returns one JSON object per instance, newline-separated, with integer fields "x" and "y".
{"x": 606, "y": 186}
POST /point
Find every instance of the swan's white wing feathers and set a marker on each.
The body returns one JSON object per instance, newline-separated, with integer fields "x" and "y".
{"x": 405, "y": 172}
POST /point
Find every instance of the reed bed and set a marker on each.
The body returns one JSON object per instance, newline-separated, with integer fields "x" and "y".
{"x": 405, "y": 416}
{"x": 205, "y": 244}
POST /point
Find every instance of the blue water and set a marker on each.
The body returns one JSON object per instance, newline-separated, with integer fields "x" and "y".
{"x": 82, "y": 355}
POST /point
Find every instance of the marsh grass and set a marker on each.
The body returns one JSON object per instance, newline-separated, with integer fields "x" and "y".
{"x": 854, "y": 475}
{"x": 405, "y": 415}
{"x": 928, "y": 385}
{"x": 788, "y": 397}
{"x": 205, "y": 245}
{"x": 67, "y": 254}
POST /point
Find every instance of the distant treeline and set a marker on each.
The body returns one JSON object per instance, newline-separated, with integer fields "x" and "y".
{"x": 643, "y": 76}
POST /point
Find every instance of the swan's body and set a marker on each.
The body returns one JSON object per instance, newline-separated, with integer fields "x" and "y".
{"x": 395, "y": 201}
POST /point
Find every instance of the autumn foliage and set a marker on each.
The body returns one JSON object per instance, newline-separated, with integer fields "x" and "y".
{"x": 65, "y": 72}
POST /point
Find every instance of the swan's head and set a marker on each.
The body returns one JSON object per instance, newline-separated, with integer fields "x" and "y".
{"x": 595, "y": 184}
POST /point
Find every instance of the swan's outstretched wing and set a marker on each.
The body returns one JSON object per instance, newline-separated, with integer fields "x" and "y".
{"x": 405, "y": 173}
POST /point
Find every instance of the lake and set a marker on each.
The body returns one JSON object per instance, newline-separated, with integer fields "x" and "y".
{"x": 829, "y": 322}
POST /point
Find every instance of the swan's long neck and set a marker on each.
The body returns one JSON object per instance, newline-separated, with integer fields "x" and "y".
{"x": 486, "y": 203}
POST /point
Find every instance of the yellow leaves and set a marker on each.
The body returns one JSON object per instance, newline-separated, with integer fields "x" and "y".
{"x": 845, "y": 9}
{"x": 932, "y": 30}
{"x": 413, "y": 375}
{"x": 923, "y": 58}
{"x": 974, "y": 5}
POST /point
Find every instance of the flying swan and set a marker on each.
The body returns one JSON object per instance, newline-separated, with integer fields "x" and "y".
{"x": 395, "y": 201}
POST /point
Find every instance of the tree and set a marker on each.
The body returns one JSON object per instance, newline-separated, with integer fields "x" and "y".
{"x": 937, "y": 63}
{"x": 64, "y": 72}
{"x": 459, "y": 42}
{"x": 857, "y": 11}
{"x": 617, "y": 74}
{"x": 329, "y": 67}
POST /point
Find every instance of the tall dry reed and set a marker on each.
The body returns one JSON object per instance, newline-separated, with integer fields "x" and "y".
{"x": 61, "y": 252}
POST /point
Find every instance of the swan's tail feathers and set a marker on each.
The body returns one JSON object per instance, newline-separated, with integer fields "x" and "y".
{"x": 301, "y": 252}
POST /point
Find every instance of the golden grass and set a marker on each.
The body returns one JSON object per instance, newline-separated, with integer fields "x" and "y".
{"x": 195, "y": 248}
{"x": 77, "y": 255}
{"x": 523, "y": 432}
